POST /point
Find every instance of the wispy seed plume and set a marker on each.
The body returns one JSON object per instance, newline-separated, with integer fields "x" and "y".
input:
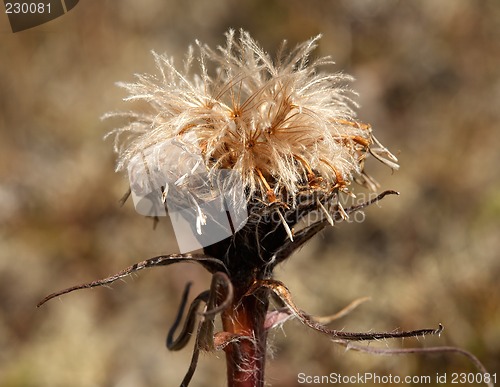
{"x": 283, "y": 124}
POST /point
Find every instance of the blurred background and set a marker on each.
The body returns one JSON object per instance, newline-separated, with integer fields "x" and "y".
{"x": 428, "y": 75}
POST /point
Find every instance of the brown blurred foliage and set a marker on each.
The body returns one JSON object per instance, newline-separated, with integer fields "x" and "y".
{"x": 428, "y": 74}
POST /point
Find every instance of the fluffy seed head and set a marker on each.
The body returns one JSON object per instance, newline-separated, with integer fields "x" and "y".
{"x": 282, "y": 124}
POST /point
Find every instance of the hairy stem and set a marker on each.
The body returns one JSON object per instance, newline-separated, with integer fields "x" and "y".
{"x": 246, "y": 353}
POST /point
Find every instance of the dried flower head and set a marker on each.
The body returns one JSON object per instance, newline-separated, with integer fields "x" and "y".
{"x": 283, "y": 125}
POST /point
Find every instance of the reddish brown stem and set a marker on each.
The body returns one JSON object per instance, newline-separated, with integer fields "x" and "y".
{"x": 246, "y": 355}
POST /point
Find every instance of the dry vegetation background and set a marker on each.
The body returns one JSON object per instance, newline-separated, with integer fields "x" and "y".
{"x": 428, "y": 74}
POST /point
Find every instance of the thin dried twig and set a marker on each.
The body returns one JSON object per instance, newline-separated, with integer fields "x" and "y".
{"x": 284, "y": 294}
{"x": 188, "y": 327}
{"x": 279, "y": 316}
{"x": 204, "y": 334}
{"x": 194, "y": 359}
{"x": 325, "y": 320}
{"x": 349, "y": 345}
{"x": 211, "y": 264}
